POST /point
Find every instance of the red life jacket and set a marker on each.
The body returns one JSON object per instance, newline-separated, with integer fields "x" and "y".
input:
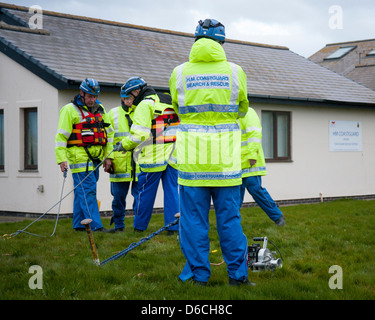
{"x": 91, "y": 131}
{"x": 161, "y": 123}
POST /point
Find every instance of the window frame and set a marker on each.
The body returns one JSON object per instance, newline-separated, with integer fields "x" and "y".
{"x": 29, "y": 167}
{"x": 350, "y": 49}
{"x": 275, "y": 157}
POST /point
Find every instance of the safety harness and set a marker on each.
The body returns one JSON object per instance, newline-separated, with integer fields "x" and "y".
{"x": 89, "y": 132}
{"x": 163, "y": 120}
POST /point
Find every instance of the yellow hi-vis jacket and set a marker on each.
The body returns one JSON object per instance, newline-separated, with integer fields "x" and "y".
{"x": 124, "y": 166}
{"x": 77, "y": 157}
{"x": 251, "y": 145}
{"x": 209, "y": 94}
{"x": 152, "y": 156}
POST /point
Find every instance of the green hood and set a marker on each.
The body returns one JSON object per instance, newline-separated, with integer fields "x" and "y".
{"x": 207, "y": 50}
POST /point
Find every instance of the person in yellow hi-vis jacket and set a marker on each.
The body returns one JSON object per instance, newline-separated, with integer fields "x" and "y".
{"x": 254, "y": 166}
{"x": 84, "y": 138}
{"x": 210, "y": 93}
{"x": 124, "y": 170}
{"x": 152, "y": 137}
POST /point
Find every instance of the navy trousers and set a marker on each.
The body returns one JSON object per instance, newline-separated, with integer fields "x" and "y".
{"x": 261, "y": 196}
{"x": 194, "y": 226}
{"x": 85, "y": 204}
{"x": 119, "y": 191}
{"x": 148, "y": 183}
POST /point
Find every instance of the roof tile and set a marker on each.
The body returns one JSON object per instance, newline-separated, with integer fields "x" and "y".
{"x": 77, "y": 47}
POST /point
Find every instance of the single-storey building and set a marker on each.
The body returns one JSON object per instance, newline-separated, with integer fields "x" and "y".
{"x": 354, "y": 59}
{"x": 318, "y": 126}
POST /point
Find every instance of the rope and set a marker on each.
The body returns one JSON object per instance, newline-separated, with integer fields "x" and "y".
{"x": 136, "y": 244}
{"x": 12, "y": 235}
{"x": 57, "y": 218}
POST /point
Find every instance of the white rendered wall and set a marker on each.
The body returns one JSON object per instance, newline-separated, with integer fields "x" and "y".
{"x": 314, "y": 169}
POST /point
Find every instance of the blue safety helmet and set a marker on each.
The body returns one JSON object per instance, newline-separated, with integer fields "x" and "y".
{"x": 210, "y": 28}
{"x": 133, "y": 83}
{"x": 90, "y": 86}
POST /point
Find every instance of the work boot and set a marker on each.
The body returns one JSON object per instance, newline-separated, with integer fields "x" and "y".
{"x": 172, "y": 232}
{"x": 281, "y": 221}
{"x": 138, "y": 231}
{"x": 113, "y": 230}
{"x": 246, "y": 282}
{"x": 198, "y": 283}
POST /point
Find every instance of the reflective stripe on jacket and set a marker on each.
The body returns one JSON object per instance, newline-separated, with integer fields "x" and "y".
{"x": 77, "y": 157}
{"x": 210, "y": 94}
{"x": 124, "y": 167}
{"x": 251, "y": 145}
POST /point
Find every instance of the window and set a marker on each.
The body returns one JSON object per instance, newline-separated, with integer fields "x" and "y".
{"x": 371, "y": 53}
{"x": 339, "y": 53}
{"x": 2, "y": 151}
{"x": 276, "y": 135}
{"x": 31, "y": 138}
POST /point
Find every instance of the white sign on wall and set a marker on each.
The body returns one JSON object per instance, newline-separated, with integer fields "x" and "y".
{"x": 345, "y": 135}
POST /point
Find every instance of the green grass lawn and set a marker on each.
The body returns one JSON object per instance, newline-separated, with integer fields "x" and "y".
{"x": 316, "y": 237}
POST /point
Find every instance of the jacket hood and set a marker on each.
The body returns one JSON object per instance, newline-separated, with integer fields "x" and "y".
{"x": 207, "y": 50}
{"x": 146, "y": 91}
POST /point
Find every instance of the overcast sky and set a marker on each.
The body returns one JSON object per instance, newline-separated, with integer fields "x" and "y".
{"x": 304, "y": 26}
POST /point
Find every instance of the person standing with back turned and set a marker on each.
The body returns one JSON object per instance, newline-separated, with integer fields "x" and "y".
{"x": 210, "y": 94}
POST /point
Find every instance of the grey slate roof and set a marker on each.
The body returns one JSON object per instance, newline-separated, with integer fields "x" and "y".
{"x": 356, "y": 65}
{"x": 70, "y": 48}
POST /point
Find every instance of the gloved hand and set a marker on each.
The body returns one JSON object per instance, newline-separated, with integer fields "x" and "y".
{"x": 118, "y": 147}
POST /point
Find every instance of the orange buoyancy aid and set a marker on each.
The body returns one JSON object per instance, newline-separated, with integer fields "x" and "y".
{"x": 160, "y": 124}
{"x": 91, "y": 131}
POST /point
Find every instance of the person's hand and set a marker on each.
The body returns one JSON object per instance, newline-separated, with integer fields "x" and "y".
{"x": 63, "y": 166}
{"x": 118, "y": 147}
{"x": 252, "y": 162}
{"x": 107, "y": 164}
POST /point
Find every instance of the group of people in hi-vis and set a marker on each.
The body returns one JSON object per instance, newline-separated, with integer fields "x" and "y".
{"x": 202, "y": 140}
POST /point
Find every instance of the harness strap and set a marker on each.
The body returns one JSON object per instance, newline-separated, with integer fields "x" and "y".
{"x": 132, "y": 162}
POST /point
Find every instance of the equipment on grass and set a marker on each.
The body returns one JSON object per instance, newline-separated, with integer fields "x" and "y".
{"x": 57, "y": 203}
{"x": 143, "y": 240}
{"x": 86, "y": 223}
{"x": 12, "y": 235}
{"x": 261, "y": 259}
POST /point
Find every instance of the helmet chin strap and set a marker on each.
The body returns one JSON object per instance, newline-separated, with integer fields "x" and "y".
{"x": 130, "y": 94}
{"x": 83, "y": 100}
